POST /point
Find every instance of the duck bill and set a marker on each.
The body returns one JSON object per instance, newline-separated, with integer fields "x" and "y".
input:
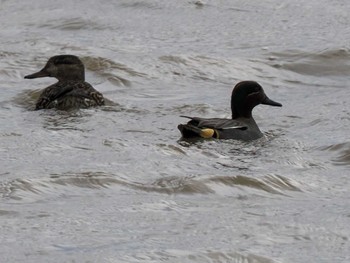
{"x": 40, "y": 74}
{"x": 270, "y": 102}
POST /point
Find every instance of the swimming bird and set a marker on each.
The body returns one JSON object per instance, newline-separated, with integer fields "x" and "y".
{"x": 71, "y": 91}
{"x": 242, "y": 126}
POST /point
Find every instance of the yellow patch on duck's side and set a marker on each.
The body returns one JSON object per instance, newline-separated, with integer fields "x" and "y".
{"x": 207, "y": 133}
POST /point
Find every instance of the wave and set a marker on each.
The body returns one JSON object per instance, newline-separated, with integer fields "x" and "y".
{"x": 207, "y": 255}
{"x": 342, "y": 151}
{"x": 56, "y": 185}
{"x": 116, "y": 73}
{"x": 321, "y": 64}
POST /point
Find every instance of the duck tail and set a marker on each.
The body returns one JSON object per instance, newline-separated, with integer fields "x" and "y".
{"x": 190, "y": 131}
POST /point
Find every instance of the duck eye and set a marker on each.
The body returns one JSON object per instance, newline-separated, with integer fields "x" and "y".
{"x": 255, "y": 90}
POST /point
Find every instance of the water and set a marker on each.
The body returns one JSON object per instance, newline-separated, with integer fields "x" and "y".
{"x": 115, "y": 184}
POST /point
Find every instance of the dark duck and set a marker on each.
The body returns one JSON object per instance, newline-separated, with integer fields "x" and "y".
{"x": 242, "y": 126}
{"x": 71, "y": 91}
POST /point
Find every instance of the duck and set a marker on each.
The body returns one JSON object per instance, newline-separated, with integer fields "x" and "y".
{"x": 242, "y": 126}
{"x": 71, "y": 91}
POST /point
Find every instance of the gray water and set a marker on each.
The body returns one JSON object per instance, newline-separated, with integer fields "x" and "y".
{"x": 115, "y": 184}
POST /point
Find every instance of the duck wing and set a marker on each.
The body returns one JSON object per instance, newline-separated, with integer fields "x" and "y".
{"x": 211, "y": 128}
{"x": 216, "y": 123}
{"x": 84, "y": 90}
{"x": 80, "y": 90}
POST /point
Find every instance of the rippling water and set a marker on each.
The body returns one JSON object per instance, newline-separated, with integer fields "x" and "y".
{"x": 116, "y": 184}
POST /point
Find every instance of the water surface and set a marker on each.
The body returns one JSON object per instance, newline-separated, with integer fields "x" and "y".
{"x": 115, "y": 184}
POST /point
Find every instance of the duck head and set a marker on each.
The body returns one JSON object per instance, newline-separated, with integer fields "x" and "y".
{"x": 245, "y": 96}
{"x": 62, "y": 67}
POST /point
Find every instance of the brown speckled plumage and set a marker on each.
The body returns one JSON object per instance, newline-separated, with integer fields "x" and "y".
{"x": 71, "y": 91}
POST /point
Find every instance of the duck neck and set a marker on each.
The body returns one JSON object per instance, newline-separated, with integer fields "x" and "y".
{"x": 241, "y": 110}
